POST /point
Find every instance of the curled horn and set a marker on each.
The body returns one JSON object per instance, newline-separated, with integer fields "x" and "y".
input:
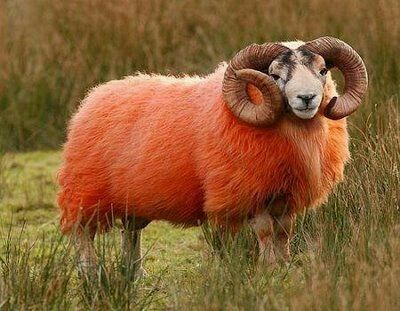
{"x": 245, "y": 67}
{"x": 341, "y": 55}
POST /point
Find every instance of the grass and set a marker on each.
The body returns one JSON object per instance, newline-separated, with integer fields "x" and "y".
{"x": 345, "y": 254}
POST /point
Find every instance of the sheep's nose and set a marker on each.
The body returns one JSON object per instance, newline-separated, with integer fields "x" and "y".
{"x": 306, "y": 98}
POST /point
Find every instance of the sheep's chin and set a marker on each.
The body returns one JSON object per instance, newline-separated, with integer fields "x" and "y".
{"x": 305, "y": 114}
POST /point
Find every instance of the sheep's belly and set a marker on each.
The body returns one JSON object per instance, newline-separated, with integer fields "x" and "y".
{"x": 182, "y": 205}
{"x": 166, "y": 191}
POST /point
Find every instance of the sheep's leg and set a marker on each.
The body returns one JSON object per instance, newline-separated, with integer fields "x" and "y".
{"x": 131, "y": 245}
{"x": 263, "y": 226}
{"x": 283, "y": 228}
{"x": 87, "y": 259}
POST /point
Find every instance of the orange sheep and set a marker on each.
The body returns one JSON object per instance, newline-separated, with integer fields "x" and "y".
{"x": 151, "y": 147}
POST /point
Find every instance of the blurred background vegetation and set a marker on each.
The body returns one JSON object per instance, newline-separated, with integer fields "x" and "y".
{"x": 52, "y": 52}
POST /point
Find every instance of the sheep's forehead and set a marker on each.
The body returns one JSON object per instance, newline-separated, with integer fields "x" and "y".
{"x": 296, "y": 56}
{"x": 297, "y": 61}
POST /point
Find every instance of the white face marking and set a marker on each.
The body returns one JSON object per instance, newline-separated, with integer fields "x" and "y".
{"x": 304, "y": 92}
{"x": 298, "y": 75}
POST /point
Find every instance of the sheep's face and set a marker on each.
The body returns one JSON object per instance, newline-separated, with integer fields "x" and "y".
{"x": 301, "y": 76}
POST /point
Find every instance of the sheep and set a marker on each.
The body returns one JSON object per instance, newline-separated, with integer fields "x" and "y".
{"x": 263, "y": 138}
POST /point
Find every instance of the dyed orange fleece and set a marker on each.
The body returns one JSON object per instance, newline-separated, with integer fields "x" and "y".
{"x": 168, "y": 148}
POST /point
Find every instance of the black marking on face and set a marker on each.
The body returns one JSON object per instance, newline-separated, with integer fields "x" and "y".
{"x": 287, "y": 60}
{"x": 299, "y": 57}
{"x": 307, "y": 57}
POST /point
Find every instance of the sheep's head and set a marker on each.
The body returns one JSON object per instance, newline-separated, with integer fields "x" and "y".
{"x": 295, "y": 78}
{"x": 301, "y": 76}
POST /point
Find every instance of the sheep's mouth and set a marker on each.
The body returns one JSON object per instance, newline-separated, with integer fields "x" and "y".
{"x": 290, "y": 109}
{"x": 305, "y": 113}
{"x": 307, "y": 109}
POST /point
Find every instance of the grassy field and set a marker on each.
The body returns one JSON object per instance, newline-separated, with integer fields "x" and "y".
{"x": 346, "y": 255}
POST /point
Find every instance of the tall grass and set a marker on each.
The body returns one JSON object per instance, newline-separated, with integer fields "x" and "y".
{"x": 2, "y": 181}
{"x": 42, "y": 274}
{"x": 52, "y": 52}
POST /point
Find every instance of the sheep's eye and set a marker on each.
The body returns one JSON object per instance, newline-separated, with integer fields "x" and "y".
{"x": 323, "y": 72}
{"x": 275, "y": 77}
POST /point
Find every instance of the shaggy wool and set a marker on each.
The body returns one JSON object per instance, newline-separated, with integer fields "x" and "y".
{"x": 168, "y": 148}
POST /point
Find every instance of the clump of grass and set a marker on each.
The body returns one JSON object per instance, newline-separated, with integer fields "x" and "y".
{"x": 42, "y": 273}
{"x": 2, "y": 178}
{"x": 34, "y": 274}
{"x": 226, "y": 245}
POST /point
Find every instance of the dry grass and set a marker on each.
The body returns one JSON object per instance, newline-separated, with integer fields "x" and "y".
{"x": 346, "y": 254}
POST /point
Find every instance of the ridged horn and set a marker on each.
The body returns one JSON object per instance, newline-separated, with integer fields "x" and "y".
{"x": 246, "y": 67}
{"x": 342, "y": 56}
